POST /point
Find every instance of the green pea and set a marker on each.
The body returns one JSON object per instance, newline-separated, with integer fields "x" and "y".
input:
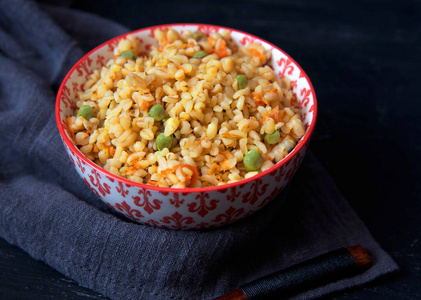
{"x": 86, "y": 112}
{"x": 128, "y": 54}
{"x": 198, "y": 35}
{"x": 272, "y": 138}
{"x": 200, "y": 54}
{"x": 253, "y": 160}
{"x": 242, "y": 81}
{"x": 157, "y": 112}
{"x": 164, "y": 141}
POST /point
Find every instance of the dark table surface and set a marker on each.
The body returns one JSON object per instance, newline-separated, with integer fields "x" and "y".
{"x": 363, "y": 58}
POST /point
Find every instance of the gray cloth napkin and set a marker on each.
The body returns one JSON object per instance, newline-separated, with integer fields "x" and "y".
{"x": 48, "y": 211}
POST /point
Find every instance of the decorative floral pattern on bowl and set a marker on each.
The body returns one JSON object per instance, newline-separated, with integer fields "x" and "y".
{"x": 190, "y": 208}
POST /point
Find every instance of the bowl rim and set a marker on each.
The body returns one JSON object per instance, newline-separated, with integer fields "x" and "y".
{"x": 301, "y": 143}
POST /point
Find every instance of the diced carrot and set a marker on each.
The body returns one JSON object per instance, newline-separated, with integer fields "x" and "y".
{"x": 222, "y": 49}
{"x": 192, "y": 179}
{"x": 261, "y": 99}
{"x": 274, "y": 114}
{"x": 69, "y": 127}
{"x": 137, "y": 165}
{"x": 257, "y": 53}
{"x": 163, "y": 43}
{"x": 293, "y": 101}
{"x": 195, "y": 173}
{"x": 110, "y": 150}
{"x": 167, "y": 171}
{"x": 116, "y": 56}
{"x": 201, "y": 140}
{"x": 257, "y": 98}
{"x": 145, "y": 105}
{"x": 149, "y": 181}
{"x": 130, "y": 170}
{"x": 228, "y": 154}
{"x": 225, "y": 165}
{"x": 271, "y": 91}
{"x": 213, "y": 168}
{"x": 211, "y": 41}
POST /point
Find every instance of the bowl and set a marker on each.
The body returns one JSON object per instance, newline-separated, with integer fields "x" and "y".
{"x": 186, "y": 208}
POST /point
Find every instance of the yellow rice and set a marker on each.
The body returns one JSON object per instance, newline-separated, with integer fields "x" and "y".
{"x": 214, "y": 123}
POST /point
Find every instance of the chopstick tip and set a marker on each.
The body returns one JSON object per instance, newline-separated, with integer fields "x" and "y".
{"x": 237, "y": 294}
{"x": 360, "y": 255}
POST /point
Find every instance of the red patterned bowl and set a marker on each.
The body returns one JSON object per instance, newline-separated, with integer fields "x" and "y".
{"x": 190, "y": 208}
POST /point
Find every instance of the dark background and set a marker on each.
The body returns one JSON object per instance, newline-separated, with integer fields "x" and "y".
{"x": 363, "y": 58}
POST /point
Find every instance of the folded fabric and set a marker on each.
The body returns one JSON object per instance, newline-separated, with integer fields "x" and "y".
{"x": 49, "y": 212}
